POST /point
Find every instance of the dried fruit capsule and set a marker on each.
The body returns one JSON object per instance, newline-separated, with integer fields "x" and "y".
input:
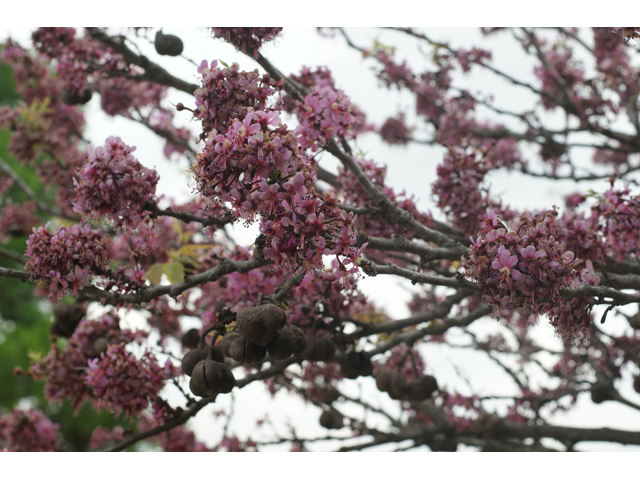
{"x": 191, "y": 339}
{"x": 383, "y": 380}
{"x": 100, "y": 345}
{"x": 331, "y": 420}
{"x": 600, "y": 394}
{"x": 206, "y": 379}
{"x": 168, "y": 44}
{"x": 398, "y": 387}
{"x": 260, "y": 324}
{"x": 356, "y": 364}
{"x": 227, "y": 341}
{"x": 67, "y": 318}
{"x": 421, "y": 388}
{"x": 243, "y": 351}
{"x": 76, "y": 98}
{"x": 318, "y": 349}
{"x": 330, "y": 395}
{"x": 289, "y": 340}
{"x": 191, "y": 358}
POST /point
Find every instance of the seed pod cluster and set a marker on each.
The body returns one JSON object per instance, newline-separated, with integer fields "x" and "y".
{"x": 209, "y": 375}
{"x": 331, "y": 419}
{"x": 168, "y": 44}
{"x": 319, "y": 349}
{"x": 398, "y": 388}
{"x": 261, "y": 329}
{"x": 356, "y": 364}
{"x": 210, "y": 378}
{"x": 67, "y": 318}
{"x": 193, "y": 357}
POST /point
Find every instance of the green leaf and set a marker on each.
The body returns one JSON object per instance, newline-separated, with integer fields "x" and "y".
{"x": 154, "y": 274}
{"x": 174, "y": 272}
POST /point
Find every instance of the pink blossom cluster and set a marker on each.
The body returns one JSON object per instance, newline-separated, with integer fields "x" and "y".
{"x": 123, "y": 383}
{"x": 228, "y": 94}
{"x": 102, "y": 438}
{"x": 325, "y": 114}
{"x": 395, "y": 131}
{"x": 522, "y": 269}
{"x": 65, "y": 371}
{"x": 466, "y": 58}
{"x": 564, "y": 84}
{"x": 257, "y": 167}
{"x": 247, "y": 40}
{"x": 616, "y": 158}
{"x": 28, "y": 431}
{"x": 233, "y": 444}
{"x": 121, "y": 96}
{"x": 17, "y": 219}
{"x": 393, "y": 74}
{"x": 112, "y": 182}
{"x": 619, "y": 214}
{"x": 612, "y": 60}
{"x": 460, "y": 194}
{"x": 161, "y": 122}
{"x": 406, "y": 360}
{"x": 68, "y": 256}
{"x": 45, "y": 127}
{"x": 322, "y": 77}
{"x": 318, "y": 377}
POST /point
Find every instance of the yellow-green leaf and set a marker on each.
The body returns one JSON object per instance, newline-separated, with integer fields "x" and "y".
{"x": 154, "y": 274}
{"x": 174, "y": 272}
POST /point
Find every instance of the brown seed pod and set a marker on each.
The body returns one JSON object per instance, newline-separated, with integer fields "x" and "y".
{"x": 421, "y": 388}
{"x": 260, "y": 324}
{"x": 100, "y": 345}
{"x": 356, "y": 364}
{"x": 398, "y": 388}
{"x": 67, "y": 318}
{"x": 288, "y": 340}
{"x": 331, "y": 420}
{"x": 245, "y": 352}
{"x": 168, "y": 44}
{"x": 383, "y": 380}
{"x": 192, "y": 358}
{"x": 191, "y": 339}
{"x": 601, "y": 394}
{"x": 228, "y": 380}
{"x": 76, "y": 98}
{"x": 206, "y": 379}
{"x": 330, "y": 395}
{"x": 227, "y": 341}
{"x": 318, "y": 349}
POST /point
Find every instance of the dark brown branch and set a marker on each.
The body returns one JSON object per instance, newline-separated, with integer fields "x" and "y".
{"x": 153, "y": 72}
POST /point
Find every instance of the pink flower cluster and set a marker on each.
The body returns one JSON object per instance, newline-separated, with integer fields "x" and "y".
{"x": 112, "y": 182}
{"x": 123, "y": 383}
{"x": 325, "y": 114}
{"x": 460, "y": 194}
{"x": 64, "y": 371}
{"x": 247, "y": 40}
{"x": 619, "y": 215}
{"x": 257, "y": 167}
{"x": 405, "y": 360}
{"x": 28, "y": 431}
{"x": 523, "y": 269}
{"x": 394, "y": 131}
{"x": 68, "y": 256}
{"x": 17, "y": 219}
{"x": 227, "y": 94}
